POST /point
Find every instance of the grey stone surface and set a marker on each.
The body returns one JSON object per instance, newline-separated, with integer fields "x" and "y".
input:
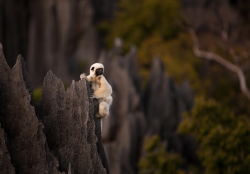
{"x": 60, "y": 130}
{"x": 164, "y": 104}
{"x": 27, "y": 145}
{"x": 69, "y": 126}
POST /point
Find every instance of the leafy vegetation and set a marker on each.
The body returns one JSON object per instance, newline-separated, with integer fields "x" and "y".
{"x": 37, "y": 94}
{"x": 223, "y": 137}
{"x": 138, "y": 20}
{"x": 157, "y": 160}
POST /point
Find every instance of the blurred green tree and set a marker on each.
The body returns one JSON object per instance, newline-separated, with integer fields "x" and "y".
{"x": 223, "y": 137}
{"x": 157, "y": 160}
{"x": 138, "y": 20}
{"x": 37, "y": 94}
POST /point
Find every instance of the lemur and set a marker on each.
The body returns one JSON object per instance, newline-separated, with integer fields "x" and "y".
{"x": 101, "y": 87}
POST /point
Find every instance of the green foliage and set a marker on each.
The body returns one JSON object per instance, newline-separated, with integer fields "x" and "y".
{"x": 37, "y": 94}
{"x": 138, "y": 20}
{"x": 177, "y": 56}
{"x": 224, "y": 138}
{"x": 157, "y": 160}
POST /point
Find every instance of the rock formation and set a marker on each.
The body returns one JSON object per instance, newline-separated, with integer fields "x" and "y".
{"x": 5, "y": 162}
{"x": 164, "y": 104}
{"x": 164, "y": 109}
{"x": 60, "y": 134}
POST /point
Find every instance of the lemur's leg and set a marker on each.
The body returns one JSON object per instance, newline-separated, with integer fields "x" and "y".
{"x": 103, "y": 109}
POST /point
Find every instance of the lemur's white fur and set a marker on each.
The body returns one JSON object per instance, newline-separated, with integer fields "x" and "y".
{"x": 102, "y": 89}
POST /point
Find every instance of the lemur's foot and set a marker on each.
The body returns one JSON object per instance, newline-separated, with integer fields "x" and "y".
{"x": 92, "y": 96}
{"x": 98, "y": 115}
{"x": 82, "y": 76}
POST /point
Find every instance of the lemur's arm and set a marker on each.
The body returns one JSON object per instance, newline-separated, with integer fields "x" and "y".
{"x": 89, "y": 78}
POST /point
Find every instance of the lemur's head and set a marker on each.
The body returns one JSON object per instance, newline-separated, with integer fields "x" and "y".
{"x": 96, "y": 69}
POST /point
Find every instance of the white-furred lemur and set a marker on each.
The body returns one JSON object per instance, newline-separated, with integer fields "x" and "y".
{"x": 101, "y": 87}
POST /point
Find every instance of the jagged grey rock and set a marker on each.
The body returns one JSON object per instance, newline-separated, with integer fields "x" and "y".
{"x": 160, "y": 107}
{"x": 66, "y": 131}
{"x": 27, "y": 145}
{"x": 69, "y": 125}
{"x": 164, "y": 104}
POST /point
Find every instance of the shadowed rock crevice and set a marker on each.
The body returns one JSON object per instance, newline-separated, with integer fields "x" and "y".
{"x": 66, "y": 131}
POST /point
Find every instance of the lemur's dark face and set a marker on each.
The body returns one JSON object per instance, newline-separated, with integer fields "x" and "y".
{"x": 99, "y": 71}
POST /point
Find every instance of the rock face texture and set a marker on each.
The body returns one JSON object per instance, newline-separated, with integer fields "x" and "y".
{"x": 5, "y": 163}
{"x": 58, "y": 135}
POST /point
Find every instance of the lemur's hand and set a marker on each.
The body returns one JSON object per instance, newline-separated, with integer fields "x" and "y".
{"x": 82, "y": 76}
{"x": 92, "y": 96}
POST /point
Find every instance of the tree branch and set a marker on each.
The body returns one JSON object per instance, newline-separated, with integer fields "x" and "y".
{"x": 212, "y": 56}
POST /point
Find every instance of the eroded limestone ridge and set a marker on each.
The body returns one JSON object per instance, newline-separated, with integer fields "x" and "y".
{"x": 60, "y": 134}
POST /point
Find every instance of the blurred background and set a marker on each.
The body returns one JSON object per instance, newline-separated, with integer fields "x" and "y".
{"x": 179, "y": 69}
